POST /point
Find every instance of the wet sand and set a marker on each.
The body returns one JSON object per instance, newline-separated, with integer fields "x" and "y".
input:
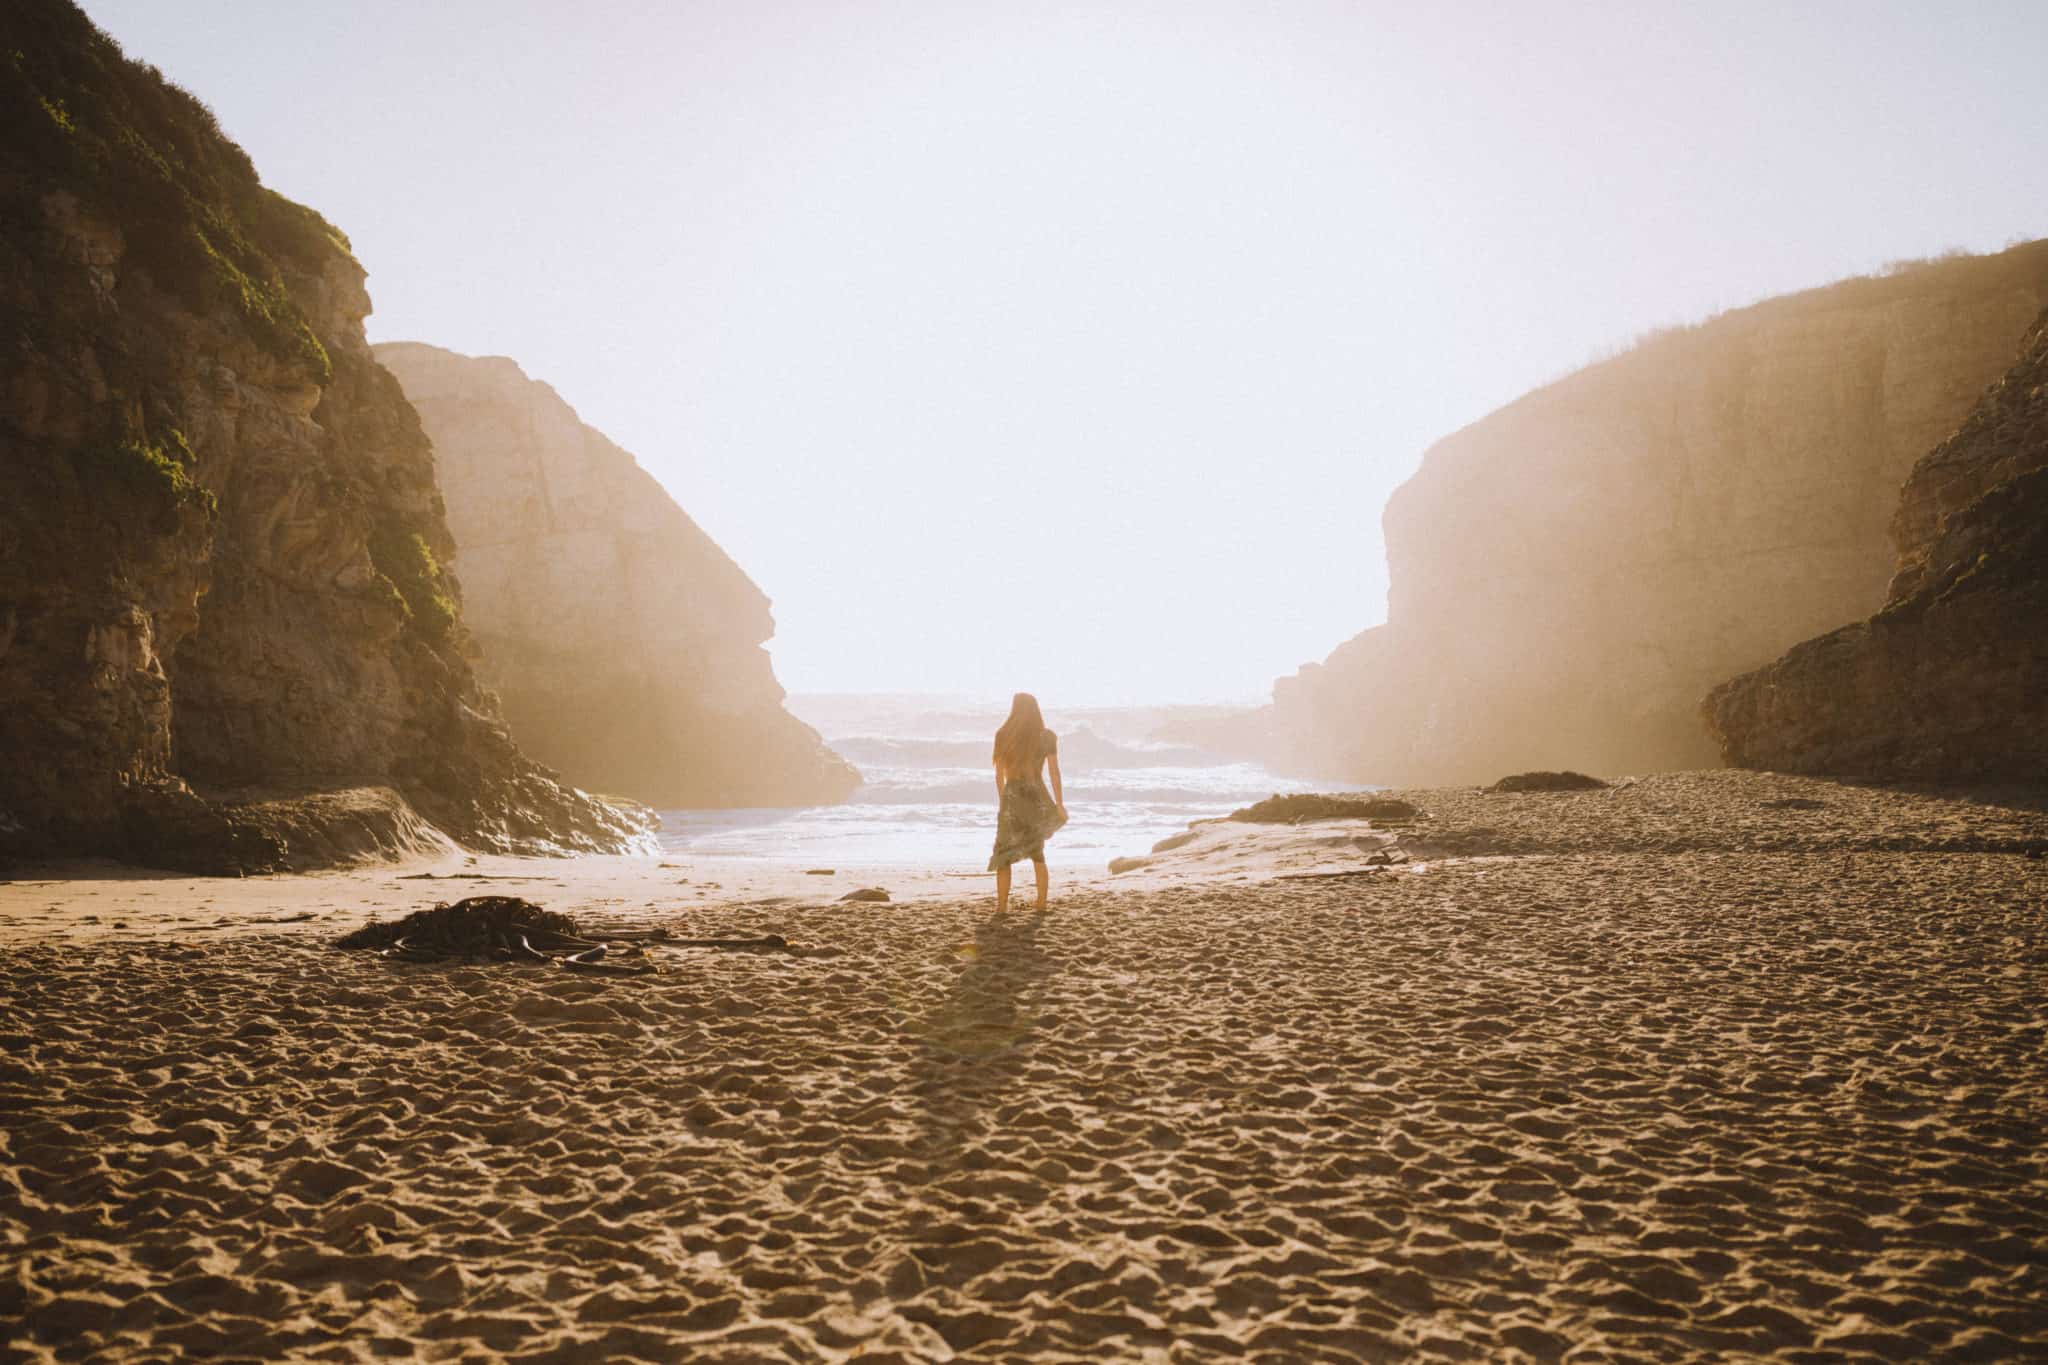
{"x": 1709, "y": 1077}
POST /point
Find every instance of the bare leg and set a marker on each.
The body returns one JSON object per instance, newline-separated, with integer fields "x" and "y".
{"x": 1044, "y": 876}
{"x": 1002, "y": 889}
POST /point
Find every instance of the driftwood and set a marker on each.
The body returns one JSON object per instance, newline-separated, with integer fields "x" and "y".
{"x": 464, "y": 877}
{"x": 661, "y": 938}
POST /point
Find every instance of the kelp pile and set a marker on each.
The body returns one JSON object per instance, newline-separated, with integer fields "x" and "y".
{"x": 496, "y": 929}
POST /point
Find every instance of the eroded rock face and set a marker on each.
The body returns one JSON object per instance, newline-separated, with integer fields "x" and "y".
{"x": 1950, "y": 679}
{"x": 220, "y": 542}
{"x": 624, "y": 644}
{"x": 1570, "y": 574}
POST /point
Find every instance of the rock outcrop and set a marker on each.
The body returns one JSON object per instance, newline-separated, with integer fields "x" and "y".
{"x": 1950, "y": 680}
{"x": 222, "y": 600}
{"x": 623, "y": 642}
{"x": 1573, "y": 572}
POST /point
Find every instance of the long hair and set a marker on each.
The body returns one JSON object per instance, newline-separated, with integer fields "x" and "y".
{"x": 1021, "y": 740}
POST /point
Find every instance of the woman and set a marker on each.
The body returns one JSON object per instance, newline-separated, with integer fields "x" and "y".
{"x": 1025, "y": 811}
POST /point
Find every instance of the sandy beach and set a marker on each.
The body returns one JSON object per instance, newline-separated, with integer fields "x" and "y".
{"x": 543, "y": 547}
{"x": 1705, "y": 1065}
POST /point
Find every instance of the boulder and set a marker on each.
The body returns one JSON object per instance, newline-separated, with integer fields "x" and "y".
{"x": 1548, "y": 782}
{"x": 1307, "y": 806}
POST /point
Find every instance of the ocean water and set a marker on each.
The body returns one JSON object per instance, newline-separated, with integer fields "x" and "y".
{"x": 929, "y": 796}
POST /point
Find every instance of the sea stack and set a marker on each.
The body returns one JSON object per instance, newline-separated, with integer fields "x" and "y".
{"x": 623, "y": 643}
{"x": 1950, "y": 679}
{"x": 1571, "y": 574}
{"x": 228, "y": 640}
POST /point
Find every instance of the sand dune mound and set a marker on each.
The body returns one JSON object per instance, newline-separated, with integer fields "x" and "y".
{"x": 1716, "y": 811}
{"x": 1723, "y": 810}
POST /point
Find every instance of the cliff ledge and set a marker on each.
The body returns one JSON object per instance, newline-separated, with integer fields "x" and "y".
{"x": 1950, "y": 679}
{"x": 1570, "y": 574}
{"x": 228, "y": 639}
{"x": 624, "y": 644}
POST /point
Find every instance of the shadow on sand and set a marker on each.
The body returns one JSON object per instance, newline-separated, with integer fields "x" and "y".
{"x": 976, "y": 1039}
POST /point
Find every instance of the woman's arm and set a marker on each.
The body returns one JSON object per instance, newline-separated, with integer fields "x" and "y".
{"x": 1052, "y": 766}
{"x": 999, "y": 784}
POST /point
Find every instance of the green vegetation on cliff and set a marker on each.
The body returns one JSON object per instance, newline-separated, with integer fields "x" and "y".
{"x": 200, "y": 583}
{"x": 153, "y": 474}
{"x": 404, "y": 557}
{"x": 140, "y": 151}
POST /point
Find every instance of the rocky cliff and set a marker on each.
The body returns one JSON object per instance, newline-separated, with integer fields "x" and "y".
{"x": 1572, "y": 573}
{"x": 624, "y": 644}
{"x": 1950, "y": 680}
{"x": 222, "y": 600}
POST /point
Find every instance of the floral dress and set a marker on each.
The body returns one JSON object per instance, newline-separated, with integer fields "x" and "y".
{"x": 1027, "y": 814}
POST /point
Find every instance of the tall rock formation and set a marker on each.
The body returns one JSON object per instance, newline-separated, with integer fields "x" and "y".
{"x": 623, "y": 643}
{"x": 1573, "y": 572}
{"x": 222, "y": 599}
{"x": 1950, "y": 680}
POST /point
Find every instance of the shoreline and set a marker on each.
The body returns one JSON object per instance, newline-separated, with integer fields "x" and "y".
{"x": 1716, "y": 810}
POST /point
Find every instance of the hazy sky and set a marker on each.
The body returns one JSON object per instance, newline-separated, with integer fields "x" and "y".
{"x": 1077, "y": 347}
